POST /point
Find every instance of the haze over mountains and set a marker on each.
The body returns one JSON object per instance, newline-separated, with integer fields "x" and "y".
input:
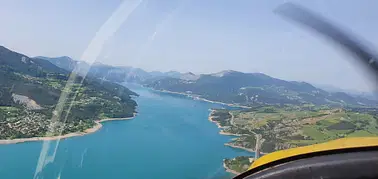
{"x": 116, "y": 74}
{"x": 356, "y": 93}
{"x": 226, "y": 86}
{"x": 256, "y": 88}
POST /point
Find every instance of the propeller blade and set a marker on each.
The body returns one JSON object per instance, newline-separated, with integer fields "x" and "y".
{"x": 320, "y": 25}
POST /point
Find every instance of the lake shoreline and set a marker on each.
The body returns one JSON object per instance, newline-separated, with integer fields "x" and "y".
{"x": 201, "y": 99}
{"x": 221, "y": 132}
{"x": 95, "y": 128}
{"x": 229, "y": 134}
{"x": 228, "y": 169}
{"x": 211, "y": 119}
{"x": 239, "y": 147}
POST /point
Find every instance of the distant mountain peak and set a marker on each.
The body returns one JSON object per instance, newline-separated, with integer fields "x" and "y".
{"x": 55, "y": 58}
{"x": 189, "y": 73}
{"x": 224, "y": 72}
{"x": 2, "y": 48}
{"x": 99, "y": 64}
{"x": 189, "y": 76}
{"x": 66, "y": 57}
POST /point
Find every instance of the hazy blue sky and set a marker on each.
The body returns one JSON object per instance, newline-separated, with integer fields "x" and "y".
{"x": 201, "y": 36}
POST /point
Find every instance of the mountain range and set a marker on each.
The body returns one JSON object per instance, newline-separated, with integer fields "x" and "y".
{"x": 225, "y": 86}
{"x": 115, "y": 73}
{"x": 256, "y": 88}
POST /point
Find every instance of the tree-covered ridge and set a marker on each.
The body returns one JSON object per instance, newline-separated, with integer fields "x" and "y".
{"x": 30, "y": 89}
{"x": 256, "y": 88}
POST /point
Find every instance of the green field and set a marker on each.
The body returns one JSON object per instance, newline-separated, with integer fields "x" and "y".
{"x": 361, "y": 133}
{"x": 314, "y": 133}
{"x": 8, "y": 108}
{"x": 292, "y": 126}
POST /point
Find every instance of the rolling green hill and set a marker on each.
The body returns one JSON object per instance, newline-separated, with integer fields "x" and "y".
{"x": 30, "y": 89}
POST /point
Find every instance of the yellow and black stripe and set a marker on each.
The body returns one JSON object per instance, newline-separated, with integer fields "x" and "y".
{"x": 327, "y": 158}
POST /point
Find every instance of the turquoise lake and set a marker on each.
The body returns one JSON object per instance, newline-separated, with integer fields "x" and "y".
{"x": 171, "y": 137}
